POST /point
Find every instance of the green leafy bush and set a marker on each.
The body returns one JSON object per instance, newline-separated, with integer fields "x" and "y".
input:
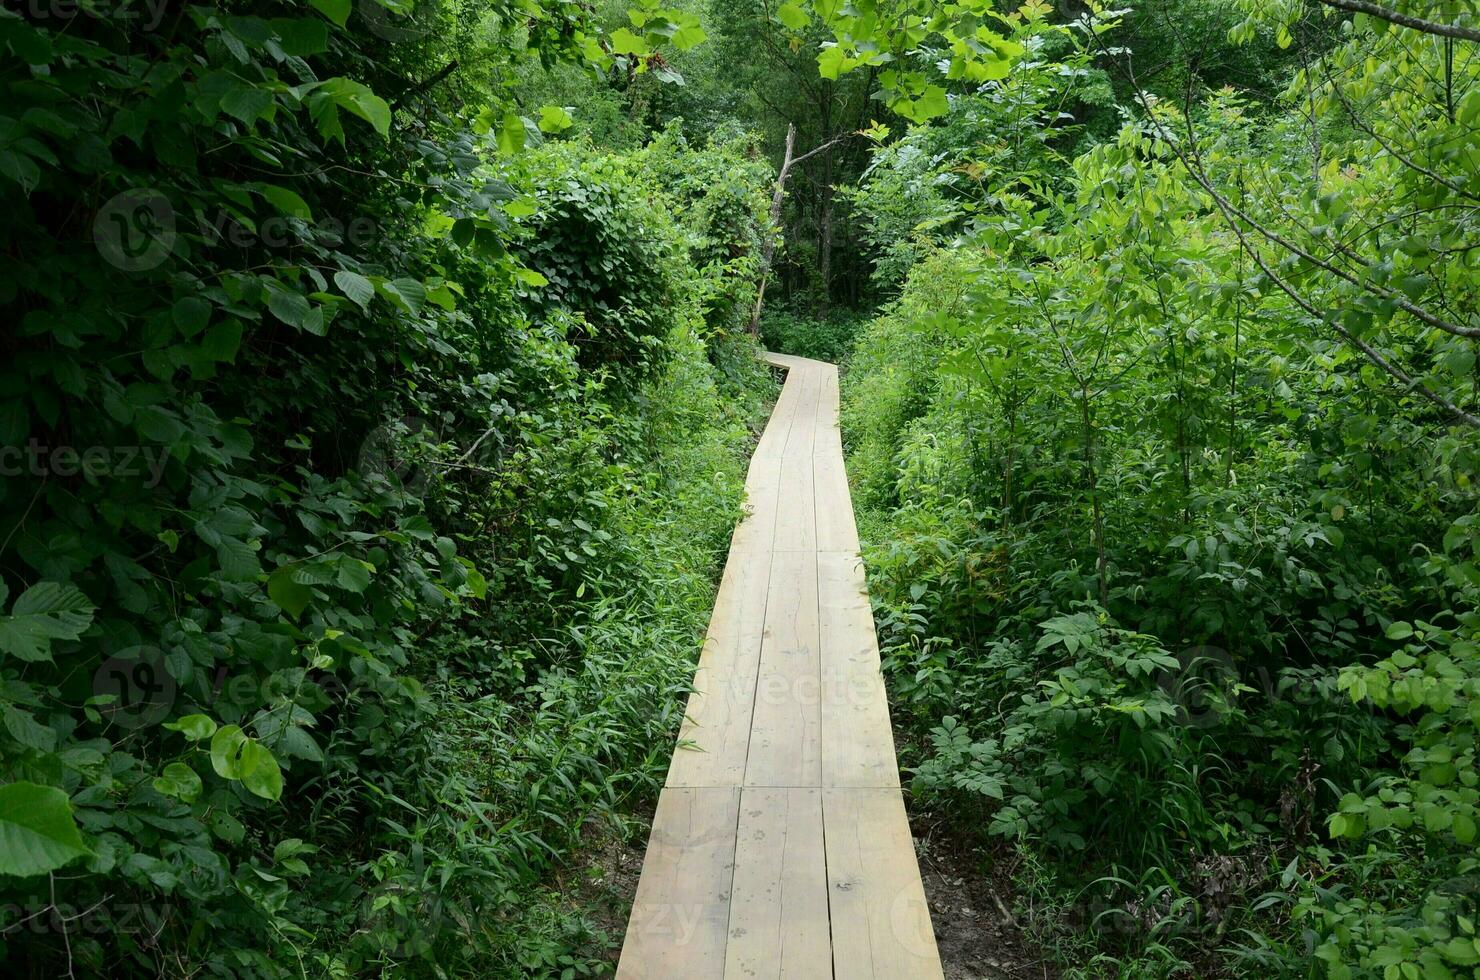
{"x": 351, "y": 568}
{"x": 1174, "y": 582}
{"x": 826, "y": 340}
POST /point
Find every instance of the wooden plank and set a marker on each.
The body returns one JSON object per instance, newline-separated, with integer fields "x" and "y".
{"x": 880, "y": 922}
{"x": 785, "y": 730}
{"x": 762, "y": 501}
{"x": 796, "y": 511}
{"x": 807, "y": 870}
{"x": 796, "y": 508}
{"x": 800, "y": 438}
{"x": 714, "y": 739}
{"x": 778, "y": 909}
{"x": 773, "y": 438}
{"x": 715, "y": 735}
{"x": 836, "y": 529}
{"x": 828, "y": 403}
{"x": 857, "y": 741}
{"x": 682, "y": 909}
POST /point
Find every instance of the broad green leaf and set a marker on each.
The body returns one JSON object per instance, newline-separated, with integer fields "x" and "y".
{"x": 336, "y": 10}
{"x": 830, "y": 62}
{"x": 235, "y": 756}
{"x": 931, "y": 103}
{"x": 792, "y": 16}
{"x": 197, "y": 727}
{"x": 25, "y": 729}
{"x": 408, "y": 294}
{"x": 285, "y": 200}
{"x": 45, "y": 612}
{"x": 301, "y": 36}
{"x": 178, "y": 780}
{"x": 226, "y": 748}
{"x": 554, "y": 119}
{"x": 191, "y": 314}
{"x": 689, "y": 34}
{"x": 355, "y": 286}
{"x": 511, "y": 134}
{"x": 292, "y": 597}
{"x": 37, "y": 831}
{"x": 623, "y": 41}
{"x": 261, "y": 774}
{"x": 287, "y": 305}
{"x": 353, "y": 574}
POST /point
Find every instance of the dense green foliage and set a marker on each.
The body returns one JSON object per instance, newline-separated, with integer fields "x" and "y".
{"x": 1165, "y": 467}
{"x": 367, "y": 467}
{"x": 375, "y": 398}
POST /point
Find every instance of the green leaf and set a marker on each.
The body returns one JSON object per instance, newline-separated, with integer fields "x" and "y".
{"x": 25, "y": 729}
{"x": 554, "y": 119}
{"x": 1399, "y": 631}
{"x": 45, "y": 612}
{"x": 226, "y": 751}
{"x": 285, "y": 200}
{"x": 353, "y": 574}
{"x": 190, "y": 314}
{"x": 408, "y": 294}
{"x": 301, "y": 36}
{"x": 511, "y": 134}
{"x": 197, "y": 727}
{"x": 291, "y": 597}
{"x": 261, "y": 774}
{"x": 1463, "y": 828}
{"x": 235, "y": 756}
{"x": 287, "y": 305}
{"x": 830, "y": 62}
{"x": 246, "y": 103}
{"x": 336, "y": 10}
{"x": 793, "y": 16}
{"x": 355, "y": 286}
{"x": 222, "y": 341}
{"x": 931, "y": 103}
{"x": 37, "y": 831}
{"x": 624, "y": 41}
{"x": 357, "y": 99}
{"x": 689, "y": 34}
{"x": 180, "y": 781}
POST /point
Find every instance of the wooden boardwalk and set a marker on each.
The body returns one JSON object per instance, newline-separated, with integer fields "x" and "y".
{"x": 780, "y": 846}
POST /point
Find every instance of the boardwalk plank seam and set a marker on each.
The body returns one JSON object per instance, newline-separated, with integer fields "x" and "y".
{"x": 738, "y": 894}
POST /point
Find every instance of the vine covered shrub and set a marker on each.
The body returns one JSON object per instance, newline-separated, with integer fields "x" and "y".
{"x": 593, "y": 238}
{"x": 340, "y": 574}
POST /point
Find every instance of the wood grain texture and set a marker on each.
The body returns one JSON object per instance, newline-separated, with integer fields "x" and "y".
{"x": 780, "y": 846}
{"x": 681, "y": 913}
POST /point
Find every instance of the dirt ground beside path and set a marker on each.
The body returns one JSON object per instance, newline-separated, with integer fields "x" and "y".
{"x": 971, "y": 913}
{"x": 975, "y": 930}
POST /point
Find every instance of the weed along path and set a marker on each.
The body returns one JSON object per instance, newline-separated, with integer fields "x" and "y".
{"x": 780, "y": 846}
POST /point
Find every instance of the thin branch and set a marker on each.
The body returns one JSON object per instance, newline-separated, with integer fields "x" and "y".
{"x": 1405, "y": 20}
{"x": 1228, "y": 211}
{"x": 416, "y": 90}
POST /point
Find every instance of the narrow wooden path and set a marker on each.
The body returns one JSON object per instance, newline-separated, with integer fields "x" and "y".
{"x": 780, "y": 846}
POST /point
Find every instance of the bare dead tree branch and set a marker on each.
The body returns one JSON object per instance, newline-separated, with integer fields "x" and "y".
{"x": 778, "y": 195}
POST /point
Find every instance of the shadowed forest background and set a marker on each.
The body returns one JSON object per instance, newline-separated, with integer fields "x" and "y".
{"x": 378, "y": 381}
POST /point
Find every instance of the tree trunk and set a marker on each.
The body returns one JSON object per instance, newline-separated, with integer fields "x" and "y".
{"x": 768, "y": 250}
{"x": 824, "y": 218}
